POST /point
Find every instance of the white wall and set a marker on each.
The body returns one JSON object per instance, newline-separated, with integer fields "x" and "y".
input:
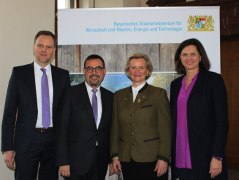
{"x": 19, "y": 22}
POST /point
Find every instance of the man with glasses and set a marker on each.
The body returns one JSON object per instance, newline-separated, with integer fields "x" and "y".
{"x": 84, "y": 126}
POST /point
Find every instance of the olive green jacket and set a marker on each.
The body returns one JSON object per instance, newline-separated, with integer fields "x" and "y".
{"x": 141, "y": 130}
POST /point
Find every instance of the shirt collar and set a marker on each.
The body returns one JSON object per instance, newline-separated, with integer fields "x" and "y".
{"x": 90, "y": 88}
{"x": 193, "y": 79}
{"x": 37, "y": 67}
{"x": 136, "y": 89}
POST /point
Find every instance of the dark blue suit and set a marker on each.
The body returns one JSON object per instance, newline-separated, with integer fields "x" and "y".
{"x": 20, "y": 116}
{"x": 77, "y": 133}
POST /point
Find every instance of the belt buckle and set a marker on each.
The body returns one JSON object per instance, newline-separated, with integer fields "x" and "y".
{"x": 42, "y": 130}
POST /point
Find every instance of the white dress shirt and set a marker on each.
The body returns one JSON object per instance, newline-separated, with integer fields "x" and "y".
{"x": 135, "y": 90}
{"x": 38, "y": 75}
{"x": 99, "y": 103}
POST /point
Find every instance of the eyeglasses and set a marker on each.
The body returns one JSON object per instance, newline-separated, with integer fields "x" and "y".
{"x": 96, "y": 69}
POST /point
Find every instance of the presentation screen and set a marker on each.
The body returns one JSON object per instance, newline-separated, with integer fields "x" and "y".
{"x": 116, "y": 33}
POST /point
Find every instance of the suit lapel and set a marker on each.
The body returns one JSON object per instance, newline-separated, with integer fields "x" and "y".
{"x": 177, "y": 89}
{"x": 141, "y": 97}
{"x": 32, "y": 85}
{"x": 54, "y": 84}
{"x": 86, "y": 99}
{"x": 55, "y": 88}
{"x": 128, "y": 99}
{"x": 104, "y": 107}
{"x": 30, "y": 89}
{"x": 196, "y": 86}
{"x": 194, "y": 89}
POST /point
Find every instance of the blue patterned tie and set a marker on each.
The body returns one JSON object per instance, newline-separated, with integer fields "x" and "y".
{"x": 95, "y": 104}
{"x": 45, "y": 100}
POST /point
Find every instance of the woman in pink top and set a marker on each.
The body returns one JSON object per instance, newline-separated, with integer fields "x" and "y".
{"x": 199, "y": 116}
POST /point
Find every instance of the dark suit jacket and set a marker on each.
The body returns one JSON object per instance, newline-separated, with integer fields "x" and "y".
{"x": 141, "y": 130}
{"x": 20, "y": 112}
{"x": 77, "y": 133}
{"x": 207, "y": 122}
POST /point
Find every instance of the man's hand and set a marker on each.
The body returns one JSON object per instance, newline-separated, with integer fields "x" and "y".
{"x": 111, "y": 169}
{"x": 65, "y": 170}
{"x": 116, "y": 165}
{"x": 9, "y": 158}
{"x": 161, "y": 167}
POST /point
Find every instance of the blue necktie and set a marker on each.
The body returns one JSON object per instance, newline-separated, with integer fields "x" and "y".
{"x": 95, "y": 104}
{"x": 45, "y": 100}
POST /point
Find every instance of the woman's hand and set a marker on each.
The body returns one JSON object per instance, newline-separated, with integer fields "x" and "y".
{"x": 116, "y": 165}
{"x": 215, "y": 167}
{"x": 161, "y": 167}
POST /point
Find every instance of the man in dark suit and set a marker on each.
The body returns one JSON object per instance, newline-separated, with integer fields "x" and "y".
{"x": 83, "y": 131}
{"x": 32, "y": 99}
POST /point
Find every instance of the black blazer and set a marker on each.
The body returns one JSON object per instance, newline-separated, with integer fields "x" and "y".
{"x": 20, "y": 112}
{"x": 207, "y": 122}
{"x": 77, "y": 133}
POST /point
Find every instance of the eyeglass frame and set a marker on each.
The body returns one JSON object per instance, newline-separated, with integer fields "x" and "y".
{"x": 91, "y": 69}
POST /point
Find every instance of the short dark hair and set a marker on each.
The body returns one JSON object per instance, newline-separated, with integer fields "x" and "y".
{"x": 204, "y": 64}
{"x": 45, "y": 33}
{"x": 94, "y": 56}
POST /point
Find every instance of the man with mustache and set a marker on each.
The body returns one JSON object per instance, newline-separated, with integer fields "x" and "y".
{"x": 84, "y": 125}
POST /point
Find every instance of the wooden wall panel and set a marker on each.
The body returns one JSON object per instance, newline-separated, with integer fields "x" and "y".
{"x": 166, "y": 56}
{"x": 152, "y": 50}
{"x": 116, "y": 55}
{"x": 68, "y": 58}
{"x": 230, "y": 72}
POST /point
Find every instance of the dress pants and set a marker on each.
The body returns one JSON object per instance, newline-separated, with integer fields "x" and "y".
{"x": 39, "y": 159}
{"x": 140, "y": 170}
{"x": 185, "y": 174}
{"x": 97, "y": 169}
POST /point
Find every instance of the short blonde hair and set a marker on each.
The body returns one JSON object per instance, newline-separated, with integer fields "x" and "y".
{"x": 138, "y": 56}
